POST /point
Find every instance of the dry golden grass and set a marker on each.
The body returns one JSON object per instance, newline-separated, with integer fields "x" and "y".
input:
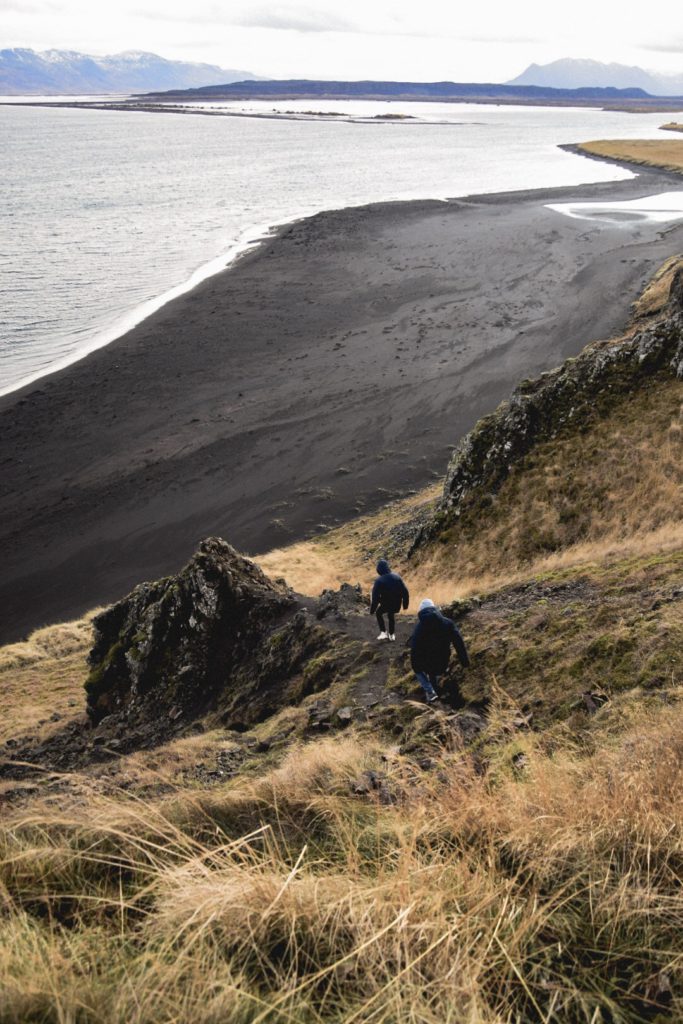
{"x": 623, "y": 478}
{"x": 672, "y": 126}
{"x": 549, "y": 893}
{"x": 664, "y": 153}
{"x": 656, "y": 295}
{"x": 44, "y": 676}
{"x": 346, "y": 554}
{"x": 614, "y": 490}
{"x": 431, "y": 576}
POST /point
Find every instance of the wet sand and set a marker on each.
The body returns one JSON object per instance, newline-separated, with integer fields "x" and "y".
{"x": 330, "y": 369}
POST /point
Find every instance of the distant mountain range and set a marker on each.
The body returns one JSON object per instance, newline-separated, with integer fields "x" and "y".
{"x": 577, "y": 74}
{"x": 68, "y": 73}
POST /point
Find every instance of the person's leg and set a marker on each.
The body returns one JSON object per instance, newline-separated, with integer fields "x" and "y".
{"x": 392, "y": 623}
{"x": 434, "y": 680}
{"x": 455, "y": 698}
{"x": 423, "y": 680}
{"x": 380, "y": 621}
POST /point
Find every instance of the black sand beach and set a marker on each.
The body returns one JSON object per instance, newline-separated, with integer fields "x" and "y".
{"x": 319, "y": 375}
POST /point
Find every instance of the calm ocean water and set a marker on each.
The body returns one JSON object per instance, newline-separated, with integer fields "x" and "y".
{"x": 106, "y": 215}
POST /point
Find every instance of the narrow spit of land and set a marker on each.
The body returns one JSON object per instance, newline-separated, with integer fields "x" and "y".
{"x": 666, "y": 154}
{"x": 330, "y": 370}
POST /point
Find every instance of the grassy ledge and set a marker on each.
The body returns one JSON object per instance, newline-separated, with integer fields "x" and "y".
{"x": 667, "y": 154}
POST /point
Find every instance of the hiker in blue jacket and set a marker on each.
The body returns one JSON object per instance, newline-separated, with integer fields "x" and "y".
{"x": 430, "y": 648}
{"x": 389, "y": 594}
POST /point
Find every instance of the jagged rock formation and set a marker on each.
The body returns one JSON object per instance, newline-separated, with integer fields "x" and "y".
{"x": 211, "y": 637}
{"x": 348, "y": 600}
{"x": 541, "y": 409}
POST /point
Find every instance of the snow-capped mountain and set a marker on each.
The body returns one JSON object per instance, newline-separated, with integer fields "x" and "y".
{"x": 66, "y": 72}
{"x": 576, "y": 74}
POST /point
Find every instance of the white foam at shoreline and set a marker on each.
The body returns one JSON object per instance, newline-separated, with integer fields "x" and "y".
{"x": 250, "y": 239}
{"x": 146, "y": 309}
{"x": 659, "y": 209}
{"x": 326, "y": 169}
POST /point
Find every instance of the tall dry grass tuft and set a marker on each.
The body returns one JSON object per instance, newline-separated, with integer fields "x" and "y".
{"x": 43, "y": 676}
{"x": 550, "y": 892}
{"x": 48, "y": 643}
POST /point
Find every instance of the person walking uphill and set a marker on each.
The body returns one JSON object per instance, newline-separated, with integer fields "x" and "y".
{"x": 389, "y": 594}
{"x": 430, "y": 647}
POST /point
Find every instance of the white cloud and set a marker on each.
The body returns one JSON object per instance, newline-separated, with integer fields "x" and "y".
{"x": 294, "y": 18}
{"x": 668, "y": 45}
{"x": 350, "y": 38}
{"x": 28, "y": 7}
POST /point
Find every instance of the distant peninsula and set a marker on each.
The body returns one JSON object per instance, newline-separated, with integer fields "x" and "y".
{"x": 469, "y": 92}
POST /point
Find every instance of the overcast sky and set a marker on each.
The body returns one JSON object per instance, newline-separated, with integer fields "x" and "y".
{"x": 422, "y": 40}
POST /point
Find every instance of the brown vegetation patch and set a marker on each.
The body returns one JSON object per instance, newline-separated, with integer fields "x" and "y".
{"x": 41, "y": 679}
{"x": 654, "y": 299}
{"x": 546, "y": 889}
{"x": 619, "y": 477}
{"x": 664, "y": 153}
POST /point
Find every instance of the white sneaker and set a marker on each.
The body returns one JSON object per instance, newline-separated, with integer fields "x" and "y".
{"x": 392, "y": 636}
{"x": 432, "y": 697}
{"x": 383, "y": 636}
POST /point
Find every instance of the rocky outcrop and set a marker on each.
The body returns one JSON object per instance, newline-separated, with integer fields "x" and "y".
{"x": 339, "y": 604}
{"x": 175, "y": 647}
{"x": 541, "y": 409}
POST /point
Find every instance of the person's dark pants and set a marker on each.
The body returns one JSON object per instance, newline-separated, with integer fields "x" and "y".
{"x": 429, "y": 683}
{"x": 381, "y": 612}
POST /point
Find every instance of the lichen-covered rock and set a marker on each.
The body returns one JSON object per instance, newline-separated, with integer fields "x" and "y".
{"x": 541, "y": 409}
{"x": 173, "y": 646}
{"x": 285, "y": 665}
{"x": 348, "y": 600}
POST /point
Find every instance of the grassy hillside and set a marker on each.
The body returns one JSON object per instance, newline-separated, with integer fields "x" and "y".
{"x": 664, "y": 153}
{"x": 353, "y": 855}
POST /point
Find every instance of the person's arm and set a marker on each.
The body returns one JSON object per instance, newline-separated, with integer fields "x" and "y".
{"x": 459, "y": 644}
{"x": 406, "y": 596}
{"x": 375, "y": 597}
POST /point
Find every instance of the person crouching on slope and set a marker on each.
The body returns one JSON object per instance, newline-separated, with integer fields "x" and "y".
{"x": 389, "y": 593}
{"x": 430, "y": 648}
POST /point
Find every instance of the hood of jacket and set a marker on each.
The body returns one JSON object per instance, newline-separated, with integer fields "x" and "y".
{"x": 383, "y": 567}
{"x": 428, "y": 614}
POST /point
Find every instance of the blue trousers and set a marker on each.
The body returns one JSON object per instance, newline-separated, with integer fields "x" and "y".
{"x": 428, "y": 682}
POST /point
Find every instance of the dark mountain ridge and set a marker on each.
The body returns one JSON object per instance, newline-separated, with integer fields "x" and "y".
{"x": 311, "y": 88}
{"x": 470, "y": 92}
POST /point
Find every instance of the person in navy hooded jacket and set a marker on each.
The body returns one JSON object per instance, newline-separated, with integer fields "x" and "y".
{"x": 389, "y": 595}
{"x": 430, "y": 648}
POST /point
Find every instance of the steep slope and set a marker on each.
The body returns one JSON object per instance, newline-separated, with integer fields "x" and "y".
{"x": 590, "y": 453}
{"x": 258, "y": 821}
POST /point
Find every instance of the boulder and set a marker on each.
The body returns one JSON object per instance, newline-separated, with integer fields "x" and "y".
{"x": 174, "y": 646}
{"x": 348, "y": 600}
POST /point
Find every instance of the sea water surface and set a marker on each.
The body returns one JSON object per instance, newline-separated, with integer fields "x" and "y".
{"x": 107, "y": 215}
